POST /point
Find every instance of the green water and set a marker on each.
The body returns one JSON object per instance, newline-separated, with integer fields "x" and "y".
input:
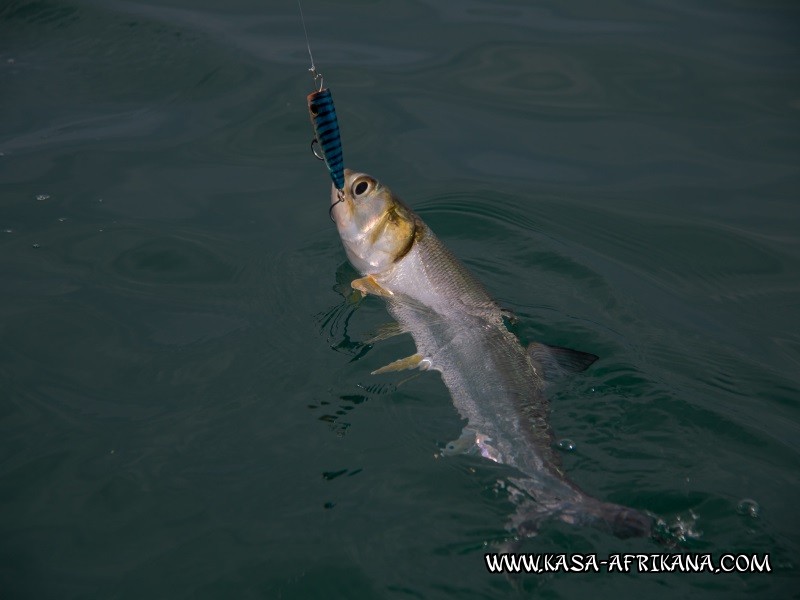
{"x": 186, "y": 406}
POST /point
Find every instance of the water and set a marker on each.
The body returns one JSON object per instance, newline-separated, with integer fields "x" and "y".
{"x": 186, "y": 405}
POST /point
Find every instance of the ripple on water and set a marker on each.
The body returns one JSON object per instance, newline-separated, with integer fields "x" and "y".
{"x": 531, "y": 79}
{"x": 523, "y": 77}
{"x": 485, "y": 214}
{"x": 172, "y": 260}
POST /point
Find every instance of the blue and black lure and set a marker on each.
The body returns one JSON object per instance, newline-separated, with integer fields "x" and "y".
{"x": 326, "y": 134}
{"x": 326, "y": 145}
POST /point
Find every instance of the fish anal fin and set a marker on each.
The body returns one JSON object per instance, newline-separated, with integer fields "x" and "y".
{"x": 410, "y": 362}
{"x": 472, "y": 442}
{"x": 368, "y": 285}
{"x": 462, "y": 445}
{"x": 556, "y": 361}
{"x": 384, "y": 332}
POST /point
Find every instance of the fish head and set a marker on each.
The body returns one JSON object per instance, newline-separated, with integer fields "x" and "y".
{"x": 376, "y": 228}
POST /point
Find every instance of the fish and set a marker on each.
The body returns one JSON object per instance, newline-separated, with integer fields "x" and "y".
{"x": 497, "y": 385}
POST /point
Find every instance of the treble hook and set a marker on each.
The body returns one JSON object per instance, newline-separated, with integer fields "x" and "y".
{"x": 340, "y": 193}
{"x": 315, "y": 147}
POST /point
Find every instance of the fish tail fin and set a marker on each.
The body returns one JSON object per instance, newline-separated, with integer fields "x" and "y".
{"x": 621, "y": 521}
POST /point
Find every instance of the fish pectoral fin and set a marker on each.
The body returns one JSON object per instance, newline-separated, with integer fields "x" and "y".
{"x": 556, "y": 362}
{"x": 410, "y": 362}
{"x": 368, "y": 285}
{"x": 463, "y": 445}
{"x": 384, "y": 332}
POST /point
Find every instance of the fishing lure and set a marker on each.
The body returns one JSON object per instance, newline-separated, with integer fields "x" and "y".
{"x": 323, "y": 120}
{"x": 326, "y": 134}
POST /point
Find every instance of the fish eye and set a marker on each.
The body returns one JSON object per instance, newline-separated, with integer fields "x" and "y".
{"x": 314, "y": 109}
{"x": 359, "y": 188}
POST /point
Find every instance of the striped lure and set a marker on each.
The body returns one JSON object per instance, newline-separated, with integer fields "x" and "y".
{"x": 323, "y": 119}
{"x": 326, "y": 134}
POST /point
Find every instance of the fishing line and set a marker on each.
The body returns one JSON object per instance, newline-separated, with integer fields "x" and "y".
{"x": 326, "y": 144}
{"x": 313, "y": 69}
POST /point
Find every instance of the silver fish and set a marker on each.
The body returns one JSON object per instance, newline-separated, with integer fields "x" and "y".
{"x": 496, "y": 384}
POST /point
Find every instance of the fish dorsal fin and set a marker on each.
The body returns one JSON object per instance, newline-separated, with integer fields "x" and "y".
{"x": 557, "y": 362}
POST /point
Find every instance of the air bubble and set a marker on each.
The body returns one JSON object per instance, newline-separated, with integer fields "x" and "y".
{"x": 37, "y": 245}
{"x": 566, "y": 445}
{"x": 42, "y": 197}
{"x": 749, "y": 508}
